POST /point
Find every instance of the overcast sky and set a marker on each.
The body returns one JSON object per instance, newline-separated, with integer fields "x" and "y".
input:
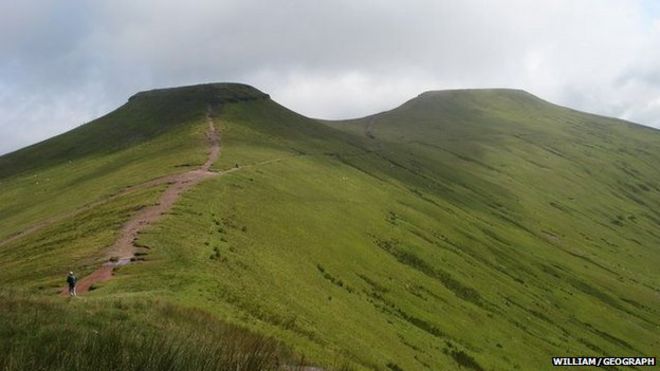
{"x": 63, "y": 63}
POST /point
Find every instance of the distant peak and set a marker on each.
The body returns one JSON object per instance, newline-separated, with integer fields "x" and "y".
{"x": 488, "y": 91}
{"x": 213, "y": 92}
{"x": 479, "y": 97}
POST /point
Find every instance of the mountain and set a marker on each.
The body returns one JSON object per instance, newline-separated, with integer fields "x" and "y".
{"x": 482, "y": 229}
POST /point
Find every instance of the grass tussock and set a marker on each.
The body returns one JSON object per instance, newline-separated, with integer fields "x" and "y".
{"x": 48, "y": 334}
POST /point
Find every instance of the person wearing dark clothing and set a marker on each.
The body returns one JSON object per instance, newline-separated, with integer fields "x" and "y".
{"x": 71, "y": 280}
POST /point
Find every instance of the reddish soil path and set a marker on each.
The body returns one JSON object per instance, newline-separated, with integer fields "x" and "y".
{"x": 124, "y": 248}
{"x": 57, "y": 218}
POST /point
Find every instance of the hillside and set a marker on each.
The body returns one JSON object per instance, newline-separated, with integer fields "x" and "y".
{"x": 484, "y": 229}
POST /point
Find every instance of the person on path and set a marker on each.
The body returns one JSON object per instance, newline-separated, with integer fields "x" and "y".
{"x": 71, "y": 280}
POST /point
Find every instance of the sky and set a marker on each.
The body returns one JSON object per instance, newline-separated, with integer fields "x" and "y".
{"x": 64, "y": 63}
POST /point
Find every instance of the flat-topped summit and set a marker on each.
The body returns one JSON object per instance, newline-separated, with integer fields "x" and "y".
{"x": 508, "y": 98}
{"x": 484, "y": 91}
{"x": 214, "y": 92}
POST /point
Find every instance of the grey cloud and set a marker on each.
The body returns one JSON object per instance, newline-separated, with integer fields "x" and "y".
{"x": 62, "y": 63}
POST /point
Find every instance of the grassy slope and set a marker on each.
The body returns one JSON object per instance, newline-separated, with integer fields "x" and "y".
{"x": 77, "y": 189}
{"x": 77, "y": 184}
{"x": 124, "y": 334}
{"x": 454, "y": 235}
{"x": 482, "y": 228}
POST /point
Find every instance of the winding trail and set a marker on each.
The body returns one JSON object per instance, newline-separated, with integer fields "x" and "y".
{"x": 57, "y": 218}
{"x": 369, "y": 128}
{"x": 123, "y": 250}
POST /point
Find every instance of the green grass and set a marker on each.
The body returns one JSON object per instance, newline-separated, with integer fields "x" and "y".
{"x": 477, "y": 229}
{"x": 155, "y": 134}
{"x": 126, "y": 334}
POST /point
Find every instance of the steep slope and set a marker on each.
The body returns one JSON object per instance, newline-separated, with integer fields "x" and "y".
{"x": 77, "y": 189}
{"x": 481, "y": 229}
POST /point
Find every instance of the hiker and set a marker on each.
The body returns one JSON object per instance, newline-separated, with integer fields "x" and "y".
{"x": 71, "y": 280}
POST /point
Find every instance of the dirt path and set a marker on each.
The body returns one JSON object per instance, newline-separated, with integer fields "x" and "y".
{"x": 57, "y": 218}
{"x": 124, "y": 248}
{"x": 168, "y": 179}
{"x": 369, "y": 128}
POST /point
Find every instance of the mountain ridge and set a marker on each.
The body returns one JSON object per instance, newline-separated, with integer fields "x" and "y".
{"x": 487, "y": 235}
{"x": 221, "y": 92}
